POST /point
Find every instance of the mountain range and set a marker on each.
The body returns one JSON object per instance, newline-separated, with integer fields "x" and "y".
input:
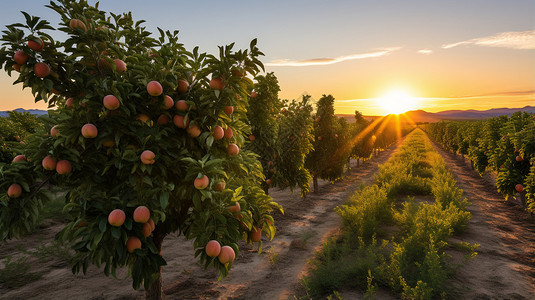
{"x": 415, "y": 115}
{"x": 424, "y": 116}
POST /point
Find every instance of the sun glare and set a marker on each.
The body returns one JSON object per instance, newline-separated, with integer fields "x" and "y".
{"x": 397, "y": 102}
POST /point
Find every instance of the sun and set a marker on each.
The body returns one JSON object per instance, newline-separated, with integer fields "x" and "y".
{"x": 398, "y": 102}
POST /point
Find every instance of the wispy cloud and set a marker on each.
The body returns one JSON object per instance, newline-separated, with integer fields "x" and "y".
{"x": 330, "y": 61}
{"x": 512, "y": 39}
{"x": 425, "y": 51}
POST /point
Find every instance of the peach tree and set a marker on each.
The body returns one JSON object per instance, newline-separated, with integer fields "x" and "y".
{"x": 144, "y": 138}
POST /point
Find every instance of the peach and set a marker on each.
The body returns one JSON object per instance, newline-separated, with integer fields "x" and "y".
{"x": 227, "y": 255}
{"x": 519, "y": 158}
{"x": 168, "y": 102}
{"x": 16, "y": 67}
{"x": 36, "y": 46}
{"x": 41, "y": 70}
{"x": 69, "y": 103}
{"x": 120, "y": 66}
{"x": 108, "y": 143}
{"x": 181, "y": 105}
{"x": 143, "y": 118}
{"x": 141, "y": 214}
{"x": 14, "y": 190}
{"x": 217, "y": 83}
{"x": 63, "y": 167}
{"x": 519, "y": 188}
{"x": 54, "y": 131}
{"x": 233, "y": 150}
{"x": 111, "y": 102}
{"x": 133, "y": 243}
{"x": 19, "y": 157}
{"x": 229, "y": 110}
{"x": 252, "y": 138}
{"x": 220, "y": 186}
{"x": 49, "y": 163}
{"x": 182, "y": 86}
{"x": 254, "y": 94}
{"x": 256, "y": 234}
{"x": 89, "y": 131}
{"x": 76, "y": 23}
{"x": 146, "y": 230}
{"x": 152, "y": 225}
{"x": 20, "y": 57}
{"x": 116, "y": 217}
{"x": 218, "y": 133}
{"x": 213, "y": 248}
{"x": 163, "y": 119}
{"x": 234, "y": 208}
{"x": 228, "y": 133}
{"x": 179, "y": 121}
{"x": 147, "y": 157}
{"x": 201, "y": 183}
{"x": 154, "y": 88}
{"x": 268, "y": 182}
{"x": 194, "y": 130}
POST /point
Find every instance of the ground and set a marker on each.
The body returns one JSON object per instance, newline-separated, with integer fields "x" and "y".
{"x": 504, "y": 267}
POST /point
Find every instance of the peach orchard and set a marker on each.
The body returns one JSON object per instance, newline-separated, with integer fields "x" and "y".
{"x": 146, "y": 139}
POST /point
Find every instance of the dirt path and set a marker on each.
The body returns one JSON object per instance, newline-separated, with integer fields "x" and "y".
{"x": 505, "y": 265}
{"x": 274, "y": 274}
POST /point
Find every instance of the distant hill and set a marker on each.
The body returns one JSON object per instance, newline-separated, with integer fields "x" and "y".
{"x": 423, "y": 116}
{"x": 32, "y": 111}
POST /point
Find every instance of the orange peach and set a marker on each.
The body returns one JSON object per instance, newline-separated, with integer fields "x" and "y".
{"x": 201, "y": 183}
{"x": 233, "y": 150}
{"x": 19, "y": 157}
{"x": 227, "y": 255}
{"x": 49, "y": 163}
{"x": 141, "y": 214}
{"x": 194, "y": 130}
{"x": 181, "y": 105}
{"x": 519, "y": 188}
{"x": 168, "y": 102}
{"x": 182, "y": 86}
{"x": 218, "y": 133}
{"x": 41, "y": 70}
{"x": 146, "y": 230}
{"x": 63, "y": 167}
{"x": 228, "y": 133}
{"x": 229, "y": 110}
{"x": 76, "y": 23}
{"x": 220, "y": 186}
{"x": 120, "y": 66}
{"x": 20, "y": 57}
{"x": 147, "y": 157}
{"x": 154, "y": 88}
{"x": 179, "y": 121}
{"x": 111, "y": 102}
{"x": 163, "y": 119}
{"x": 213, "y": 248}
{"x": 234, "y": 208}
{"x": 14, "y": 190}
{"x": 36, "y": 45}
{"x": 116, "y": 217}
{"x": 217, "y": 83}
{"x": 256, "y": 234}
{"x": 54, "y": 131}
{"x": 89, "y": 131}
{"x": 133, "y": 243}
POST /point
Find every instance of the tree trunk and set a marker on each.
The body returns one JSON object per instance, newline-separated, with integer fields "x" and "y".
{"x": 315, "y": 181}
{"x": 266, "y": 190}
{"x": 358, "y": 162}
{"x": 155, "y": 291}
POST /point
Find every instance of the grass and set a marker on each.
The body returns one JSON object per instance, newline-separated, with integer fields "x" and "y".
{"x": 16, "y": 273}
{"x": 412, "y": 262}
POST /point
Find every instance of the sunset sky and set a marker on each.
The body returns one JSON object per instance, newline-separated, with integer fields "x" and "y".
{"x": 438, "y": 55}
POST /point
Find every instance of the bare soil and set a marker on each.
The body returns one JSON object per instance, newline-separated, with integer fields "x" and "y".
{"x": 273, "y": 274}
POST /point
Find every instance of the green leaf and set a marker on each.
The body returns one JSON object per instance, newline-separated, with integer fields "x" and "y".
{"x": 164, "y": 200}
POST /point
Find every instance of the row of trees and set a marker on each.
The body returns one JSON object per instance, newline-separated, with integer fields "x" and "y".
{"x": 148, "y": 139}
{"x": 14, "y": 130}
{"x": 505, "y": 145}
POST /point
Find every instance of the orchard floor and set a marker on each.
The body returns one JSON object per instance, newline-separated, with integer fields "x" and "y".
{"x": 273, "y": 274}
{"x": 503, "y": 269}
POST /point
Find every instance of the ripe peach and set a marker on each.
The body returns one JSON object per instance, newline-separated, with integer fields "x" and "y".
{"x": 233, "y": 150}
{"x": 201, "y": 183}
{"x": 63, "y": 167}
{"x": 252, "y": 138}
{"x": 120, "y": 66}
{"x": 147, "y": 157}
{"x": 179, "y": 121}
{"x": 41, "y": 70}
{"x": 217, "y": 83}
{"x": 147, "y": 229}
{"x": 54, "y": 131}
{"x": 20, "y": 57}
{"x": 268, "y": 182}
{"x": 154, "y": 88}
{"x": 227, "y": 255}
{"x": 152, "y": 225}
{"x": 228, "y": 133}
{"x": 111, "y": 102}
{"x": 89, "y": 131}
{"x": 16, "y": 67}
{"x": 270, "y": 163}
{"x": 163, "y": 119}
{"x": 18, "y": 158}
{"x": 75, "y": 23}
{"x": 14, "y": 190}
{"x": 218, "y": 133}
{"x": 49, "y": 163}
{"x": 254, "y": 94}
{"x": 519, "y": 188}
{"x": 116, "y": 217}
{"x": 256, "y": 234}
{"x": 141, "y": 214}
{"x": 519, "y": 158}
{"x": 108, "y": 143}
{"x": 133, "y": 243}
{"x": 182, "y": 86}
{"x": 220, "y": 186}
{"x": 168, "y": 102}
{"x": 181, "y": 105}
{"x": 194, "y": 130}
{"x": 143, "y": 118}
{"x": 229, "y": 110}
{"x": 69, "y": 103}
{"x": 234, "y": 208}
{"x": 213, "y": 248}
{"x": 319, "y": 138}
{"x": 36, "y": 46}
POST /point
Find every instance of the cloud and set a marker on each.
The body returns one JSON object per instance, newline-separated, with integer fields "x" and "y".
{"x": 425, "y": 51}
{"x": 330, "y": 61}
{"x": 512, "y": 39}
